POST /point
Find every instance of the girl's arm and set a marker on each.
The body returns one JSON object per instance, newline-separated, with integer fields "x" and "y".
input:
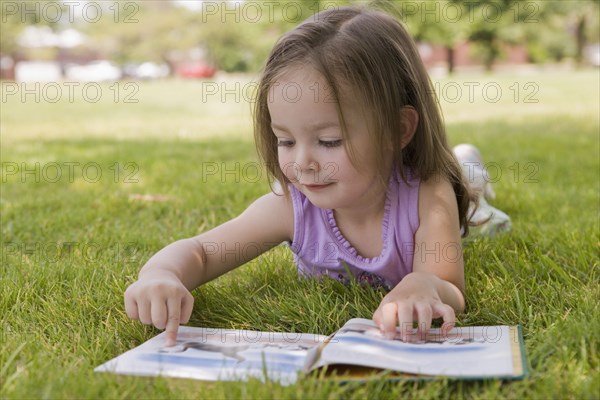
{"x": 436, "y": 286}
{"x": 161, "y": 295}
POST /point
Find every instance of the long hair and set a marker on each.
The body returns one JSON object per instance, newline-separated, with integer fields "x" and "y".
{"x": 368, "y": 55}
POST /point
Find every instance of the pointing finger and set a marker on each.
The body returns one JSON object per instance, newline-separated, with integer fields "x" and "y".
{"x": 173, "y": 316}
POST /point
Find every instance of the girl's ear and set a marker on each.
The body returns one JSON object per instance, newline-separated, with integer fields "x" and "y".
{"x": 410, "y": 119}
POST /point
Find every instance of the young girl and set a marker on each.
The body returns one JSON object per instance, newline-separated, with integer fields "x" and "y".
{"x": 347, "y": 121}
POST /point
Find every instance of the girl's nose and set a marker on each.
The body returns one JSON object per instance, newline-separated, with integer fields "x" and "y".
{"x": 306, "y": 161}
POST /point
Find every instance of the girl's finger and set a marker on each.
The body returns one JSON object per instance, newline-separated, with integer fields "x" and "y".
{"x": 131, "y": 307}
{"x": 173, "y": 318}
{"x": 389, "y": 313}
{"x": 447, "y": 313}
{"x": 144, "y": 312}
{"x": 424, "y": 316}
{"x": 159, "y": 314}
{"x": 187, "y": 305}
{"x": 405, "y": 320}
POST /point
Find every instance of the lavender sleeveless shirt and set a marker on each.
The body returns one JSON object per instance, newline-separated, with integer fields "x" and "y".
{"x": 320, "y": 248}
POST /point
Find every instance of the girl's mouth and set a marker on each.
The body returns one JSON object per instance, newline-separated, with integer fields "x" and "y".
{"x": 314, "y": 187}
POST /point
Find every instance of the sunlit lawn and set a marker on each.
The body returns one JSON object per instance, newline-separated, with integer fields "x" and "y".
{"x": 76, "y": 229}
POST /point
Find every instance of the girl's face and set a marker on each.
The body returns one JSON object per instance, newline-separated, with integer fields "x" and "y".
{"x": 311, "y": 149}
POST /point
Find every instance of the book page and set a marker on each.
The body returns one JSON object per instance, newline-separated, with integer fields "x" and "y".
{"x": 463, "y": 352}
{"x": 219, "y": 354}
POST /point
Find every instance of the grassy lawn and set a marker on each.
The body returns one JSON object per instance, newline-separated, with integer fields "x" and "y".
{"x": 76, "y": 230}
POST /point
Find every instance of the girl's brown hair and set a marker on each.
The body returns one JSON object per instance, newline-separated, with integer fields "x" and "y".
{"x": 371, "y": 55}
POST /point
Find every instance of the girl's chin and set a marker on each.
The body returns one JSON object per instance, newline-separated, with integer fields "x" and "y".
{"x": 321, "y": 201}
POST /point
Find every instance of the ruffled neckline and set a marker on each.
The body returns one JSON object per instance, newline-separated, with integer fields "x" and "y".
{"x": 347, "y": 246}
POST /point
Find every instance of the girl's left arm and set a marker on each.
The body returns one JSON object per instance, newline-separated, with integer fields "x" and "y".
{"x": 436, "y": 286}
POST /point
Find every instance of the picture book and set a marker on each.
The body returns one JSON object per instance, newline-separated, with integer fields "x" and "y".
{"x": 355, "y": 351}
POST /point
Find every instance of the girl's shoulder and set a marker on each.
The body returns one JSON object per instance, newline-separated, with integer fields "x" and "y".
{"x": 273, "y": 210}
{"x": 438, "y": 185}
{"x": 436, "y": 195}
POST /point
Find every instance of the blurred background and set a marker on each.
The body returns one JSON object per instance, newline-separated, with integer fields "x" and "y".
{"x": 158, "y": 39}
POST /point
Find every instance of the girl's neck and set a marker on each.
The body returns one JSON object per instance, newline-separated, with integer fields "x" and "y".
{"x": 363, "y": 227}
{"x": 366, "y": 212}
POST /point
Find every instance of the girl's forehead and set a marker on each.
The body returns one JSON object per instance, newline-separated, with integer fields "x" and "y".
{"x": 299, "y": 73}
{"x": 306, "y": 82}
{"x": 299, "y": 82}
{"x": 303, "y": 92}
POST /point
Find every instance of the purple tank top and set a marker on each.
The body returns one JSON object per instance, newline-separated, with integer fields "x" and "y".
{"x": 321, "y": 249}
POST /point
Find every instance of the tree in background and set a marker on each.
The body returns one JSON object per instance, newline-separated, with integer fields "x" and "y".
{"x": 439, "y": 22}
{"x": 237, "y": 36}
{"x": 10, "y": 29}
{"x": 487, "y": 24}
{"x": 241, "y": 39}
{"x": 14, "y": 21}
{"x": 144, "y": 31}
{"x": 550, "y": 30}
{"x": 563, "y": 30}
{"x": 583, "y": 17}
{"x": 493, "y": 24}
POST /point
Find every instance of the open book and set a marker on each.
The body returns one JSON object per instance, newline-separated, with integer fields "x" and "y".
{"x": 481, "y": 352}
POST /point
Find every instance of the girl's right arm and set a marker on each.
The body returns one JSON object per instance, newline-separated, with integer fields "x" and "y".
{"x": 161, "y": 295}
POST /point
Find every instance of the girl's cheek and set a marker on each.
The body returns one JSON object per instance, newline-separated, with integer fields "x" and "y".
{"x": 331, "y": 170}
{"x": 289, "y": 168}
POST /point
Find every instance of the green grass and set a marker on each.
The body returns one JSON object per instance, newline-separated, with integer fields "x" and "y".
{"x": 71, "y": 247}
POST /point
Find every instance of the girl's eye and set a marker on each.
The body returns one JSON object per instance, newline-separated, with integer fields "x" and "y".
{"x": 330, "y": 143}
{"x": 285, "y": 143}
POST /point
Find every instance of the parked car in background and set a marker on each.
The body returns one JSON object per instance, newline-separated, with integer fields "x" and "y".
{"x": 146, "y": 71}
{"x": 592, "y": 54}
{"x": 96, "y": 71}
{"x": 195, "y": 70}
{"x": 37, "y": 71}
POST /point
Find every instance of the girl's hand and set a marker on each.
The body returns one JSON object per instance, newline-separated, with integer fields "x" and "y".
{"x": 160, "y": 299}
{"x": 161, "y": 296}
{"x": 415, "y": 298}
